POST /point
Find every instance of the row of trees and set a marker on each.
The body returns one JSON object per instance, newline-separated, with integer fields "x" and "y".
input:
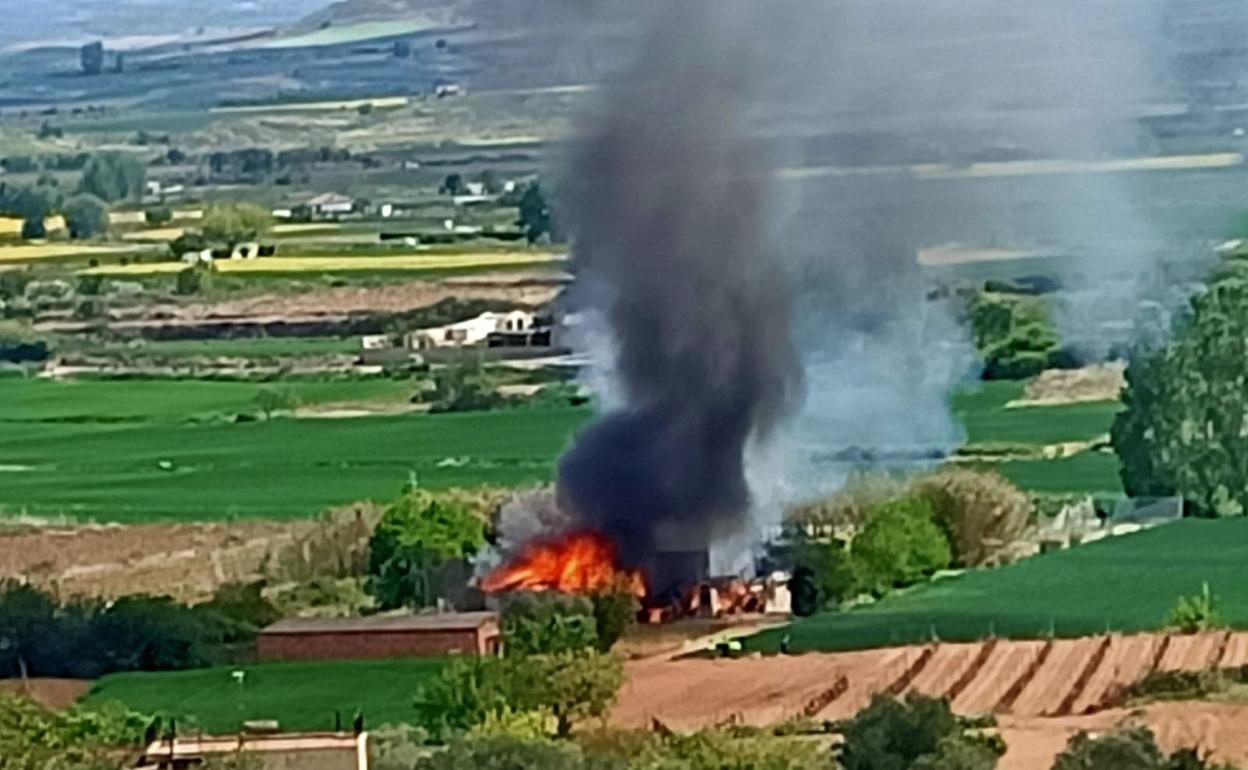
{"x": 43, "y": 636}
{"x": 106, "y": 178}
{"x": 881, "y": 532}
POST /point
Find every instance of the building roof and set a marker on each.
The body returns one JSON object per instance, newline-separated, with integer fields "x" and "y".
{"x": 448, "y": 621}
{"x": 330, "y": 199}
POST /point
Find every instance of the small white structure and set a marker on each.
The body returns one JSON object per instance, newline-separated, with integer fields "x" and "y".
{"x": 474, "y": 331}
{"x": 282, "y": 213}
{"x": 246, "y": 251}
{"x": 331, "y": 205}
{"x": 386, "y": 210}
{"x": 198, "y": 257}
{"x": 375, "y": 342}
{"x": 448, "y": 89}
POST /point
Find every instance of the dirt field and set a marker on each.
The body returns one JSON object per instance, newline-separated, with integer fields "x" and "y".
{"x": 187, "y": 561}
{"x": 53, "y": 693}
{"x": 1042, "y": 692}
{"x": 1103, "y": 382}
{"x": 1025, "y": 679}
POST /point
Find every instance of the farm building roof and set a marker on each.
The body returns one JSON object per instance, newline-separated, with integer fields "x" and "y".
{"x": 449, "y": 621}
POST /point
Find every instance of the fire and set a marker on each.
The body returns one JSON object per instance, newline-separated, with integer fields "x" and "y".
{"x": 577, "y": 563}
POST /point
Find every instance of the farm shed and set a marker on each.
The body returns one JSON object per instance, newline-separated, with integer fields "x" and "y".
{"x": 406, "y": 636}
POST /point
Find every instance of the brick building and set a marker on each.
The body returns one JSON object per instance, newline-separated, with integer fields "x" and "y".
{"x": 406, "y": 636}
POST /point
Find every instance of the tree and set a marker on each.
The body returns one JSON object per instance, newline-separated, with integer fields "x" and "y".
{"x": 193, "y": 280}
{"x": 187, "y": 243}
{"x": 1196, "y": 614}
{"x": 615, "y": 611}
{"x": 453, "y": 185}
{"x": 272, "y": 400}
{"x": 1183, "y": 427}
{"x": 114, "y": 176}
{"x": 535, "y": 215}
{"x": 1127, "y": 749}
{"x": 27, "y": 627}
{"x": 159, "y": 215}
{"x": 919, "y": 732}
{"x": 899, "y": 545}
{"x": 490, "y": 182}
{"x": 235, "y": 223}
{"x": 981, "y": 512}
{"x": 91, "y": 56}
{"x": 419, "y": 535}
{"x": 721, "y": 750}
{"x": 86, "y": 216}
{"x": 827, "y": 574}
{"x": 548, "y": 623}
{"x": 36, "y": 738}
{"x": 575, "y": 686}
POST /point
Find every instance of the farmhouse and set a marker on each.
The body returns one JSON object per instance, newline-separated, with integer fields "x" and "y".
{"x": 405, "y": 636}
{"x": 331, "y": 205}
{"x": 474, "y": 331}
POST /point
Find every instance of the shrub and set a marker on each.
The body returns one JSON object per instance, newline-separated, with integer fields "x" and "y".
{"x": 497, "y": 752}
{"x": 851, "y": 506}
{"x": 272, "y": 400}
{"x": 548, "y": 623}
{"x": 242, "y": 606}
{"x": 1194, "y": 614}
{"x": 829, "y": 569}
{"x": 86, "y": 216}
{"x": 160, "y": 215}
{"x": 35, "y": 738}
{"x": 1132, "y": 748}
{"x": 919, "y": 732}
{"x": 981, "y": 512}
{"x": 235, "y": 223}
{"x": 615, "y": 611}
{"x": 900, "y": 545}
{"x": 192, "y": 280}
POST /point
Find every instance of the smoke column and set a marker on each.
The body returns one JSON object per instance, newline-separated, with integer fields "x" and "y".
{"x": 667, "y": 212}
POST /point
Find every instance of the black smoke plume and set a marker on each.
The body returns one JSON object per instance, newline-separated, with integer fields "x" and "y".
{"x": 667, "y": 214}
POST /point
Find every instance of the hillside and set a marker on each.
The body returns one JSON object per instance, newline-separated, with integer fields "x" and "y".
{"x": 361, "y": 11}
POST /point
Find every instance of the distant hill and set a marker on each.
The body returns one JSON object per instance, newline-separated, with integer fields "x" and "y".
{"x": 346, "y": 12}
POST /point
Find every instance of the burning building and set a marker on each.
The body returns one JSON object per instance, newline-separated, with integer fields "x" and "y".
{"x": 667, "y": 215}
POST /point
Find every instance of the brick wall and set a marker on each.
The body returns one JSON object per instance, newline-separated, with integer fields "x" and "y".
{"x": 364, "y": 645}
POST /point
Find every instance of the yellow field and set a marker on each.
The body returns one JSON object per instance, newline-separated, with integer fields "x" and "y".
{"x": 159, "y": 234}
{"x": 28, "y": 252}
{"x": 307, "y": 227}
{"x": 294, "y": 265}
{"x": 13, "y": 226}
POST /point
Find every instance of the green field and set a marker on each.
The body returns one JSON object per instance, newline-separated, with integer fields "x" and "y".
{"x": 1129, "y": 583}
{"x": 258, "y": 347}
{"x": 989, "y": 421}
{"x": 129, "y": 451}
{"x": 300, "y": 696}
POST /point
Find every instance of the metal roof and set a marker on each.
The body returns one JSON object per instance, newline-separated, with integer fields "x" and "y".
{"x": 449, "y": 621}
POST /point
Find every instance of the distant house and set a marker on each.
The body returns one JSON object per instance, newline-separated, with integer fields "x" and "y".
{"x": 405, "y": 636}
{"x": 245, "y": 251}
{"x": 331, "y": 205}
{"x": 198, "y": 257}
{"x": 474, "y": 331}
{"x": 448, "y": 89}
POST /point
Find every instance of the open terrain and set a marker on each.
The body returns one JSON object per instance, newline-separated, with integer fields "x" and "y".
{"x": 301, "y": 696}
{"x": 1127, "y": 584}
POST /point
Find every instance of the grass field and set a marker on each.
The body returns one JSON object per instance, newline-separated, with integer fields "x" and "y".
{"x": 128, "y": 451}
{"x": 1129, "y": 583}
{"x": 405, "y": 264}
{"x": 988, "y": 420}
{"x": 300, "y": 696}
{"x": 259, "y": 347}
{"x": 355, "y": 33}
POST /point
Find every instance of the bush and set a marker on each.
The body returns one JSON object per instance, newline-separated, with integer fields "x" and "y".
{"x": 900, "y": 545}
{"x": 192, "y": 281}
{"x": 1133, "y": 748}
{"x": 497, "y": 752}
{"x": 1195, "y": 614}
{"x": 919, "y": 732}
{"x": 159, "y": 215}
{"x": 235, "y": 223}
{"x": 829, "y": 570}
{"x": 114, "y": 176}
{"x": 86, "y": 215}
{"x": 981, "y": 512}
{"x": 615, "y": 611}
{"x": 36, "y": 738}
{"x": 418, "y": 536}
{"x": 243, "y": 608}
{"x": 548, "y": 623}
{"x": 852, "y": 505}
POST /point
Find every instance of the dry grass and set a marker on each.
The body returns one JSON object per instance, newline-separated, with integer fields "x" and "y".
{"x": 29, "y": 252}
{"x": 13, "y": 225}
{"x": 160, "y": 234}
{"x": 293, "y": 265}
{"x": 392, "y": 102}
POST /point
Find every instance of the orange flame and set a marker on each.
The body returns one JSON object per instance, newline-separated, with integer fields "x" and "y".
{"x": 577, "y": 563}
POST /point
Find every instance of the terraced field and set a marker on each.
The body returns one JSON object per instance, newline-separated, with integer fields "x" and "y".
{"x": 407, "y": 264}
{"x": 1049, "y": 678}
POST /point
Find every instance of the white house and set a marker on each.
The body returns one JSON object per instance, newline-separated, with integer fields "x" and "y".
{"x": 474, "y": 331}
{"x": 197, "y": 257}
{"x": 246, "y": 251}
{"x": 331, "y": 205}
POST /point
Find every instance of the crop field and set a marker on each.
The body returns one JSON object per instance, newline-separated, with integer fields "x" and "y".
{"x": 36, "y": 252}
{"x": 300, "y": 696}
{"x": 149, "y": 450}
{"x": 411, "y": 264}
{"x": 1128, "y": 583}
{"x": 355, "y": 33}
{"x": 259, "y": 347}
{"x": 381, "y": 103}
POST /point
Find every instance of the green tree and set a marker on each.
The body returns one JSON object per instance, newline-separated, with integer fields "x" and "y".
{"x": 86, "y": 216}
{"x": 721, "y": 750}
{"x": 36, "y": 738}
{"x": 453, "y": 185}
{"x": 1127, "y": 749}
{"x": 419, "y": 535}
{"x": 535, "y": 215}
{"x": 272, "y": 400}
{"x": 27, "y": 628}
{"x": 91, "y": 56}
{"x": 829, "y": 568}
{"x": 235, "y": 223}
{"x": 548, "y": 623}
{"x": 1183, "y": 429}
{"x": 615, "y": 611}
{"x": 114, "y": 176}
{"x": 918, "y": 732}
{"x": 575, "y": 686}
{"x": 901, "y": 544}
{"x": 159, "y": 215}
{"x": 193, "y": 280}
